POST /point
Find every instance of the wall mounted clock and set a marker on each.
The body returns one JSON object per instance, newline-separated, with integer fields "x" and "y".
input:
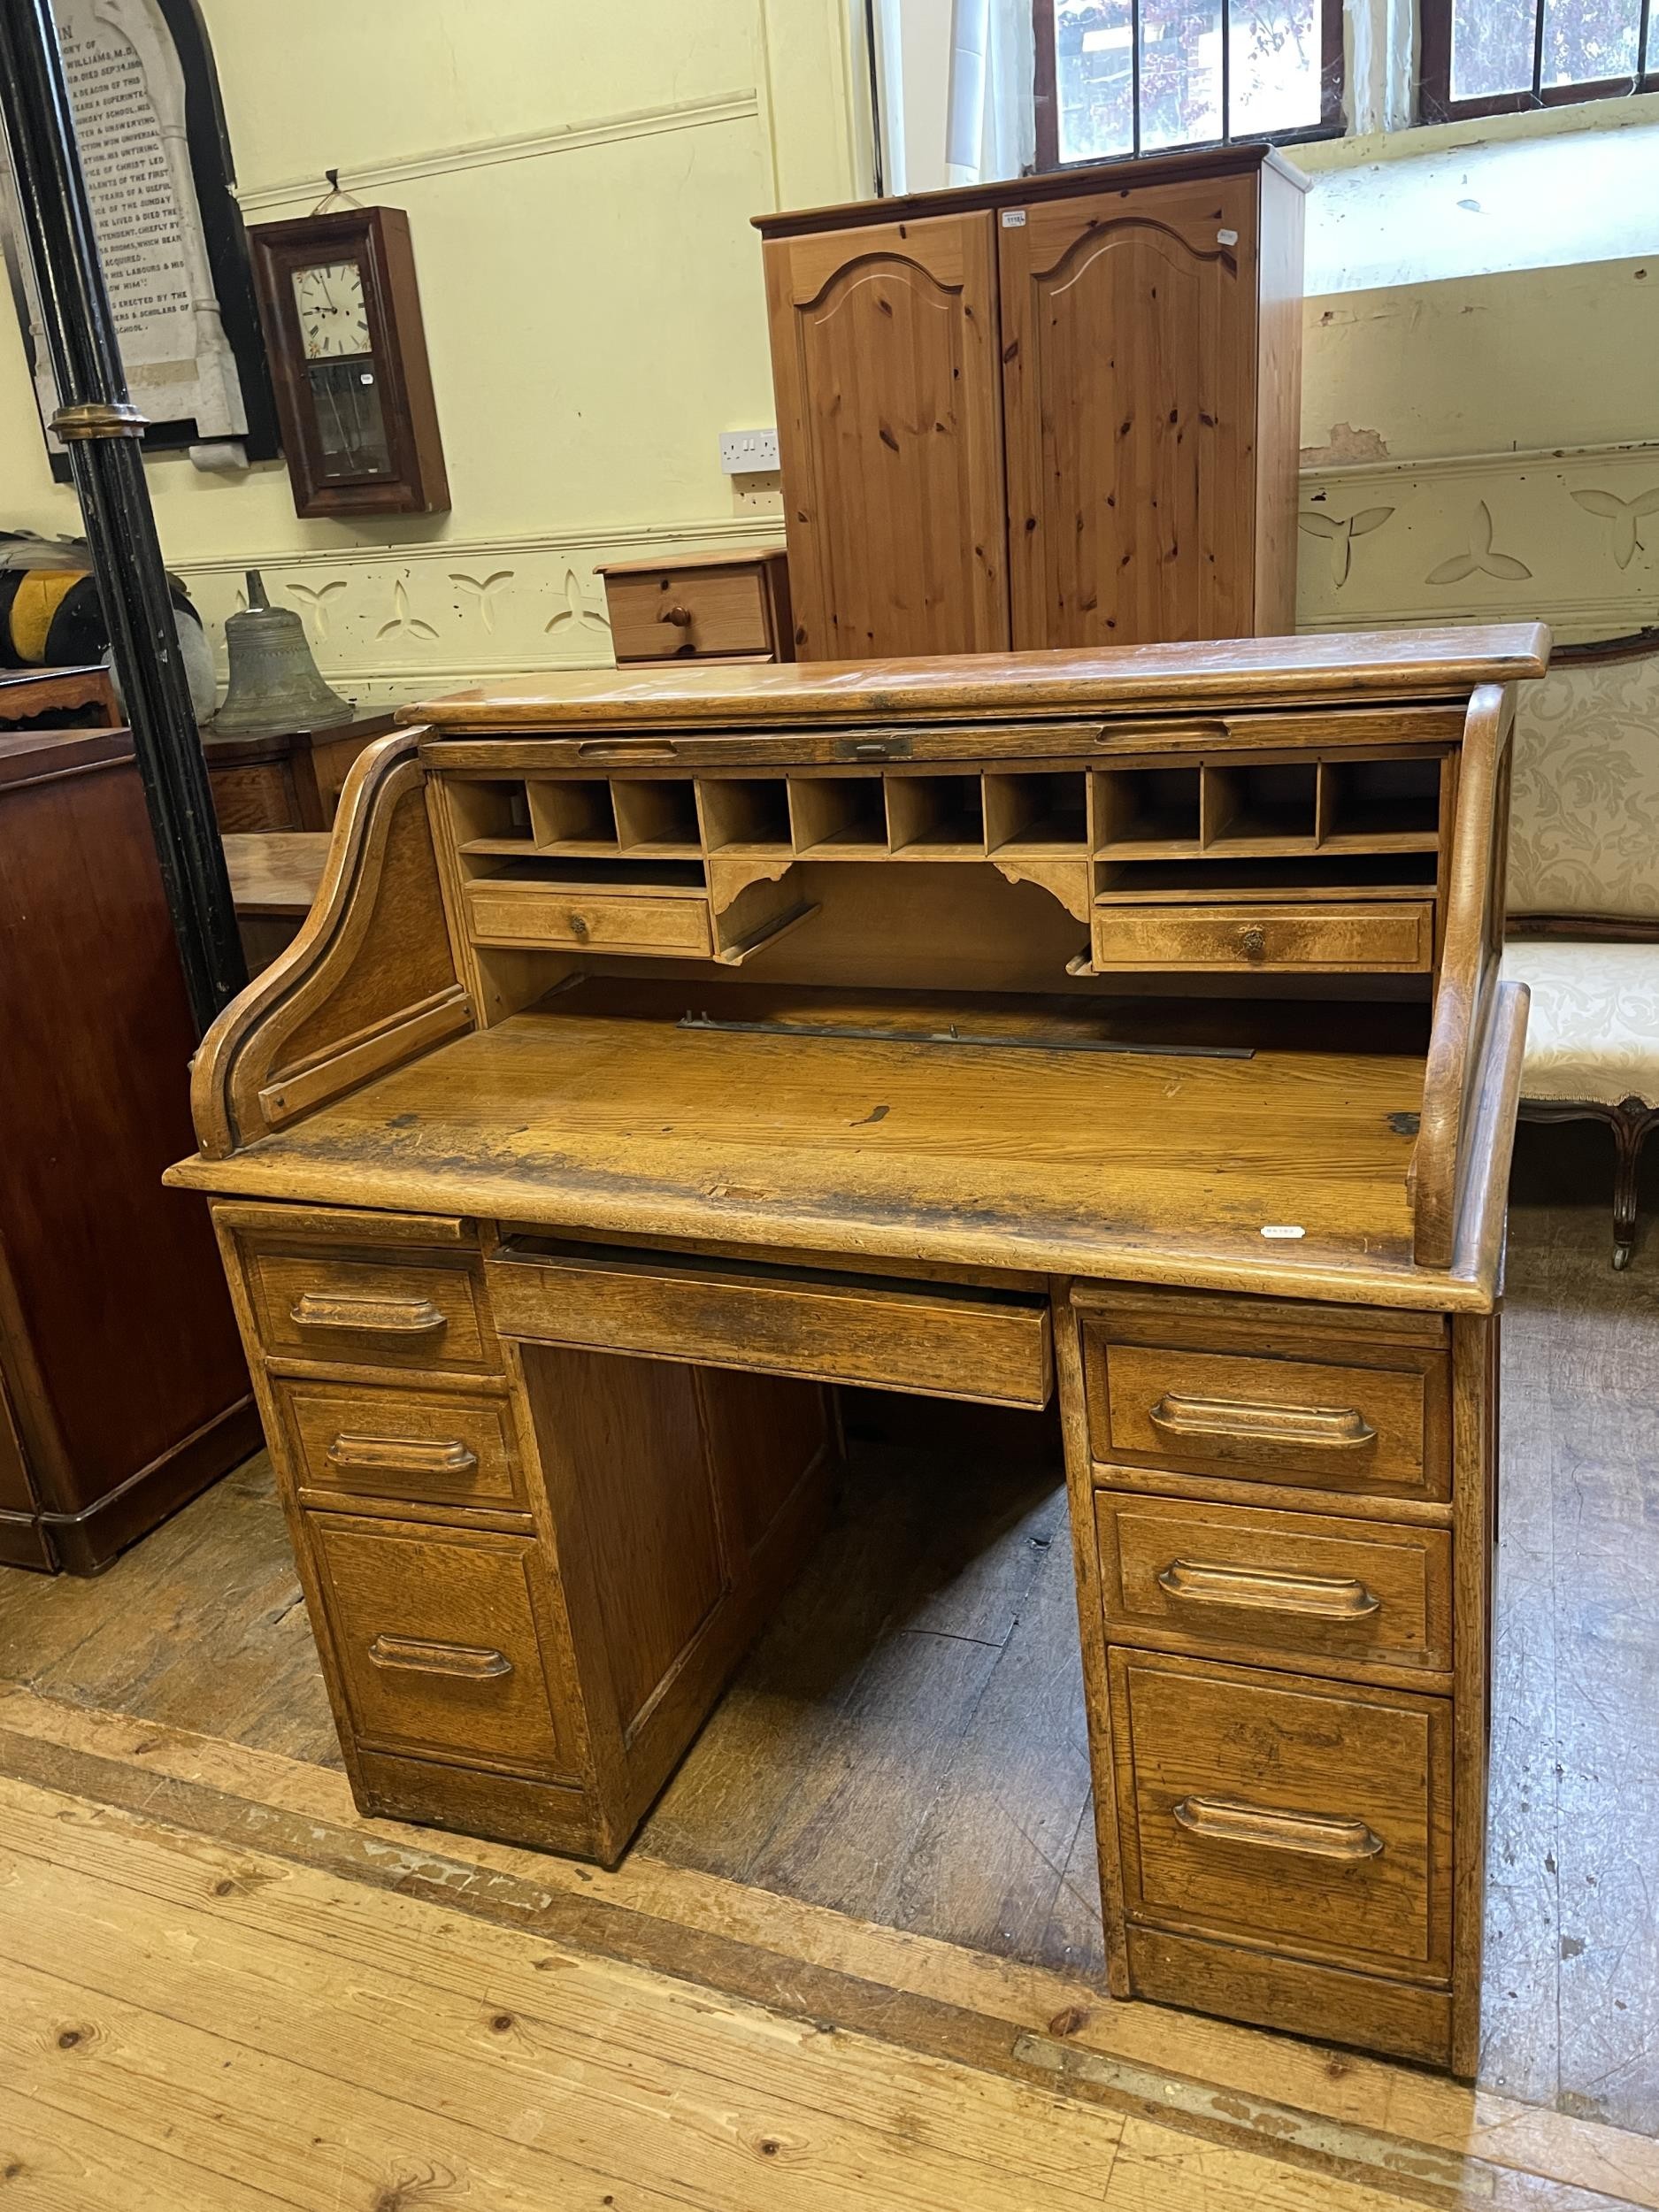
{"x": 342, "y": 316}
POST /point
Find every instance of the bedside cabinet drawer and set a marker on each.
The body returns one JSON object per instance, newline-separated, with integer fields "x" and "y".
{"x": 392, "y": 1312}
{"x": 392, "y": 1441}
{"x": 670, "y": 613}
{"x": 1276, "y": 1810}
{"x": 440, "y": 1636}
{"x": 1362, "y": 936}
{"x": 1239, "y": 1581}
{"x": 1326, "y": 1423}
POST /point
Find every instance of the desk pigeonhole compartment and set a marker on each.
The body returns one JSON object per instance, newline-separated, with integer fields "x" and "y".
{"x": 946, "y": 1340}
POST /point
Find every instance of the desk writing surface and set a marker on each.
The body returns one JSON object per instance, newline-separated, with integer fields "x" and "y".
{"x": 597, "y": 1109}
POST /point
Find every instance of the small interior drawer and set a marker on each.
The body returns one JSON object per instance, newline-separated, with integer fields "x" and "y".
{"x": 666, "y": 612}
{"x": 391, "y": 1440}
{"x": 596, "y": 920}
{"x": 1310, "y": 1816}
{"x": 1388, "y": 937}
{"x": 440, "y": 1636}
{"x": 943, "y": 1339}
{"x": 1240, "y": 1582}
{"x": 398, "y": 1311}
{"x": 1336, "y": 1422}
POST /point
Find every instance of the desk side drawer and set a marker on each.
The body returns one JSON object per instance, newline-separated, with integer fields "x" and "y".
{"x": 396, "y": 1311}
{"x": 1325, "y": 1424}
{"x": 392, "y": 1441}
{"x": 1392, "y": 938}
{"x": 440, "y": 1639}
{"x": 668, "y": 612}
{"x": 597, "y": 921}
{"x": 1310, "y": 1817}
{"x": 941, "y": 1339}
{"x": 1247, "y": 1584}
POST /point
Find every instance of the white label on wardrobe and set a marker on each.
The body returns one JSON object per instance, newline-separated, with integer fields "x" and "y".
{"x": 1013, "y": 219}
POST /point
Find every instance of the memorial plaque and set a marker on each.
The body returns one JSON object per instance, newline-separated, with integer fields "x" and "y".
{"x": 128, "y": 89}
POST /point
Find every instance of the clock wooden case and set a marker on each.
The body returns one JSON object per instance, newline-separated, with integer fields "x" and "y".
{"x": 341, "y": 314}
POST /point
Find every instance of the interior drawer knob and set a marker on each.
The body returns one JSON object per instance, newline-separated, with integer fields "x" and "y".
{"x": 1308, "y": 1833}
{"x": 1253, "y": 942}
{"x": 680, "y": 616}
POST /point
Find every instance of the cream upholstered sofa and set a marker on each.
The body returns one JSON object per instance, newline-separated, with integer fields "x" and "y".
{"x": 1584, "y": 908}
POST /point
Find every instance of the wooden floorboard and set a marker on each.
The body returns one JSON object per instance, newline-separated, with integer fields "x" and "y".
{"x": 906, "y": 1743}
{"x": 258, "y": 1833}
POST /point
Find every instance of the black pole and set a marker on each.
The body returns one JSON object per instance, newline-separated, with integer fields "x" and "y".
{"x": 102, "y": 431}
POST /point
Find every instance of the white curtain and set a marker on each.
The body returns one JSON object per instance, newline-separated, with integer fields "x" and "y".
{"x": 991, "y": 128}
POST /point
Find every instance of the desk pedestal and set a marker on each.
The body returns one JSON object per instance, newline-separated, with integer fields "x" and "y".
{"x": 536, "y": 1536}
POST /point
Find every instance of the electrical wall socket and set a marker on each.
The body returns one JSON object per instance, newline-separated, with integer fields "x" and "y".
{"x": 749, "y": 452}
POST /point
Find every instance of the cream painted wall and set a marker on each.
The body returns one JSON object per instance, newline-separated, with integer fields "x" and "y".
{"x": 580, "y": 183}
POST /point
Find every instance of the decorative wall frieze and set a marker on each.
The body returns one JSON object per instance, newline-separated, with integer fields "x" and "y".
{"x": 390, "y": 624}
{"x": 1570, "y": 536}
{"x": 740, "y": 106}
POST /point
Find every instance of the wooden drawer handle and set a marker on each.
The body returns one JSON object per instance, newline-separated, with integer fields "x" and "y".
{"x": 680, "y": 616}
{"x": 377, "y": 1317}
{"x": 1329, "y": 1428}
{"x": 415, "y": 1655}
{"x": 1197, "y": 1582}
{"x": 1219, "y": 1822}
{"x": 400, "y": 1455}
{"x": 625, "y": 749}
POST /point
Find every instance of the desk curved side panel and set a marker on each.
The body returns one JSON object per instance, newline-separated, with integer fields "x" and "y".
{"x": 368, "y": 982}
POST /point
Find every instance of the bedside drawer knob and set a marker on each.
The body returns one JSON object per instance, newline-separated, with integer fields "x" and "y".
{"x": 1195, "y": 1582}
{"x": 1253, "y": 942}
{"x": 580, "y": 926}
{"x": 680, "y": 616}
{"x": 1208, "y": 1818}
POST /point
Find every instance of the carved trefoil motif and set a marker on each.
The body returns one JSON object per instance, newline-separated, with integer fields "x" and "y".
{"x": 1340, "y": 532}
{"x": 1625, "y": 515}
{"x": 1480, "y": 560}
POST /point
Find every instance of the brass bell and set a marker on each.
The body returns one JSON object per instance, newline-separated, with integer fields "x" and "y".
{"x": 274, "y": 683}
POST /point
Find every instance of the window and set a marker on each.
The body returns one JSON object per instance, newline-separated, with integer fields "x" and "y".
{"x": 1137, "y": 76}
{"x": 1495, "y": 56}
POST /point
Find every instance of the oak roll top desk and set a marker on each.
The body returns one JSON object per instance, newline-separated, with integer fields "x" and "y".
{"x": 666, "y": 1047}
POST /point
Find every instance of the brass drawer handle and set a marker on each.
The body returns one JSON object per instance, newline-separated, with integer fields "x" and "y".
{"x": 580, "y": 926}
{"x": 1197, "y": 1582}
{"x": 1329, "y": 1428}
{"x": 415, "y": 1655}
{"x": 377, "y": 1317}
{"x": 1253, "y": 942}
{"x": 400, "y": 1455}
{"x": 1215, "y": 1822}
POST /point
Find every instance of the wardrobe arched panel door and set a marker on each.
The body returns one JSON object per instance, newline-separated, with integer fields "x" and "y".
{"x": 889, "y": 418}
{"x": 1129, "y": 353}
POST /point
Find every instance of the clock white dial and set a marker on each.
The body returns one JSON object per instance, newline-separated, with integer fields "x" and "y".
{"x": 334, "y": 319}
